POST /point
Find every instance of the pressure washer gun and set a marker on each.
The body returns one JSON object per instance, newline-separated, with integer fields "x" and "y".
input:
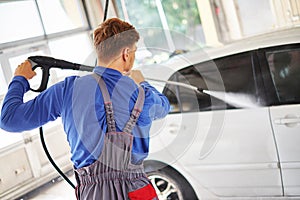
{"x": 45, "y": 63}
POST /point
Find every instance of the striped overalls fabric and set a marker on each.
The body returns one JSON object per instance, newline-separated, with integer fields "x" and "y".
{"x": 113, "y": 176}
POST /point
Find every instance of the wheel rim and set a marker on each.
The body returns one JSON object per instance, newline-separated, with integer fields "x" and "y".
{"x": 165, "y": 188}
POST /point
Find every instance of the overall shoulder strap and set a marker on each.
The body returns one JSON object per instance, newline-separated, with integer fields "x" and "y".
{"x": 135, "y": 113}
{"x": 111, "y": 124}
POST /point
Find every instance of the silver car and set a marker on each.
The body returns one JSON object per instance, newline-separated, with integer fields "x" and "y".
{"x": 234, "y": 128}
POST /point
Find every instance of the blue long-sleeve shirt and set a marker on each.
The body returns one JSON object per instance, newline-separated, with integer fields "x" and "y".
{"x": 79, "y": 102}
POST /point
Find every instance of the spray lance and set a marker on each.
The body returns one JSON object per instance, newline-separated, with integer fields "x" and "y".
{"x": 46, "y": 63}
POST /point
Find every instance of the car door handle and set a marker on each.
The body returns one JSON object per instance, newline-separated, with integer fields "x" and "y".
{"x": 174, "y": 128}
{"x": 287, "y": 121}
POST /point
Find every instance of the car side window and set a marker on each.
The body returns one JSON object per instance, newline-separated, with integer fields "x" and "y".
{"x": 228, "y": 83}
{"x": 285, "y": 70}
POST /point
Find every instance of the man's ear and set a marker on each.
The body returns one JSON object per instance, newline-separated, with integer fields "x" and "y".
{"x": 125, "y": 54}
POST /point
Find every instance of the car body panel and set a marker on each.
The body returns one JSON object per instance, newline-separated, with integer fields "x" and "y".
{"x": 286, "y": 124}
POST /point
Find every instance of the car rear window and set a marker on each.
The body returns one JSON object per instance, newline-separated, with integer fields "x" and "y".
{"x": 284, "y": 66}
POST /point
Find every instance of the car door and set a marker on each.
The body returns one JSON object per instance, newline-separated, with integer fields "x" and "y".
{"x": 283, "y": 66}
{"x": 232, "y": 152}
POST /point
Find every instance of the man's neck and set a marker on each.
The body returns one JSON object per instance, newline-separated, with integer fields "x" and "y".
{"x": 116, "y": 65}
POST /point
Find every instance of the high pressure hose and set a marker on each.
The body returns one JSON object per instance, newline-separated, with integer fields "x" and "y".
{"x": 51, "y": 160}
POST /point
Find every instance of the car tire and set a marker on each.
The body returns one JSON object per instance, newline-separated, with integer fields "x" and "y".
{"x": 170, "y": 185}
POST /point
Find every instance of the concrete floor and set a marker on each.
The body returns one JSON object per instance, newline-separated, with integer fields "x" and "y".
{"x": 57, "y": 189}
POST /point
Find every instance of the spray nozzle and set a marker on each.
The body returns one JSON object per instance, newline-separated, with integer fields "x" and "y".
{"x": 201, "y": 90}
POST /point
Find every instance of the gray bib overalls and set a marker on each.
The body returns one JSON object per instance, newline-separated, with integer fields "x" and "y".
{"x": 113, "y": 176}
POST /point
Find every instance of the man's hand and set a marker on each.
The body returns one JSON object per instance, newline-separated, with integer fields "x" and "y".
{"x": 137, "y": 76}
{"x": 25, "y": 70}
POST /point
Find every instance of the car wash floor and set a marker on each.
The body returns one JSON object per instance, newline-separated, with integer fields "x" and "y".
{"x": 57, "y": 189}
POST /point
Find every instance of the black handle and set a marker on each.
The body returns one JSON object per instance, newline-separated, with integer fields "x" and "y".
{"x": 45, "y": 78}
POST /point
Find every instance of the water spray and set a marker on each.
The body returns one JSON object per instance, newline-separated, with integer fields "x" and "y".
{"x": 234, "y": 99}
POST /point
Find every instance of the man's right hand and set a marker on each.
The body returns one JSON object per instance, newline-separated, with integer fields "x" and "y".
{"x": 25, "y": 70}
{"x": 137, "y": 76}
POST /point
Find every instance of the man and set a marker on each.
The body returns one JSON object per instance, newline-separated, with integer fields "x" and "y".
{"x": 106, "y": 116}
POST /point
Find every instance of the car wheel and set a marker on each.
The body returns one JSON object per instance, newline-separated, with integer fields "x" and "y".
{"x": 170, "y": 185}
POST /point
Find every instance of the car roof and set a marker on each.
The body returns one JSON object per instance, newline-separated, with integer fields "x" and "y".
{"x": 164, "y": 70}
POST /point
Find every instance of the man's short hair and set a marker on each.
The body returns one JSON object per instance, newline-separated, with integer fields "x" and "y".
{"x": 112, "y": 36}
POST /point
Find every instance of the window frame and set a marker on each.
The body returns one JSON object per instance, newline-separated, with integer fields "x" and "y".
{"x": 45, "y": 36}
